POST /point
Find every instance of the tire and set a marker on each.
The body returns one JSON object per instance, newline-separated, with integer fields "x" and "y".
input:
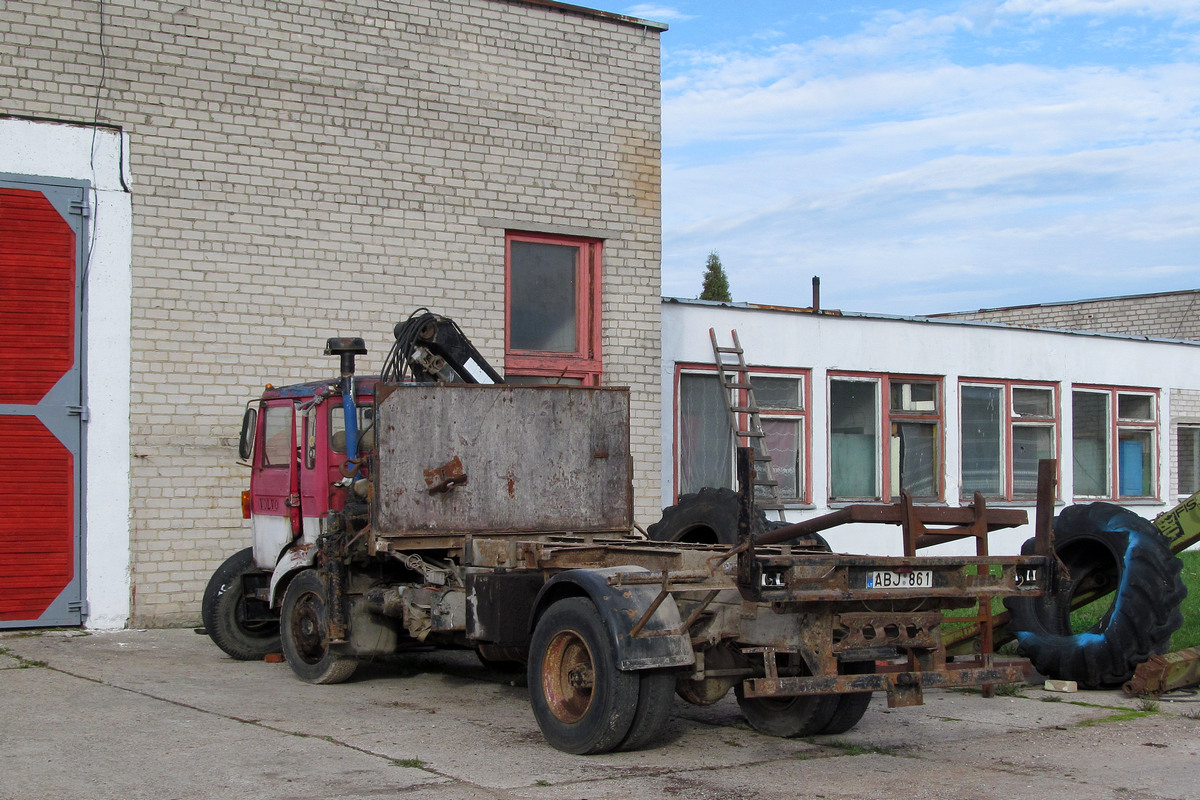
{"x": 224, "y": 613}
{"x": 788, "y": 717}
{"x": 1102, "y": 545}
{"x": 582, "y": 702}
{"x": 709, "y": 516}
{"x": 656, "y": 696}
{"x": 304, "y": 633}
{"x": 852, "y": 705}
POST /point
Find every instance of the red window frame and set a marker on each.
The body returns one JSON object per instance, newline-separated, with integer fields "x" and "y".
{"x": 884, "y": 419}
{"x": 1115, "y": 425}
{"x": 585, "y": 363}
{"x": 804, "y": 415}
{"x": 1009, "y": 419}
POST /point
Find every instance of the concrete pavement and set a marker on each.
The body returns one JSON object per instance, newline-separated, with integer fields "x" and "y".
{"x": 164, "y": 714}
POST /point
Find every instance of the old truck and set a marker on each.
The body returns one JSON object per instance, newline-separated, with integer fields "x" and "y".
{"x": 436, "y": 505}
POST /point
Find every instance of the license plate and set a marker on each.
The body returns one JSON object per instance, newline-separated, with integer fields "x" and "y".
{"x": 888, "y": 579}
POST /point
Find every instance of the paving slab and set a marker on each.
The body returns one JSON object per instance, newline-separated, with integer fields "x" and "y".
{"x": 165, "y": 714}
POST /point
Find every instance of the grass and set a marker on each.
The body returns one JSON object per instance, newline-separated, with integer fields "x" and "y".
{"x": 1187, "y": 636}
{"x": 852, "y": 749}
{"x": 1084, "y": 618}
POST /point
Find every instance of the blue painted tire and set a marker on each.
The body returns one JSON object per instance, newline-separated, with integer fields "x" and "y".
{"x": 1102, "y": 546}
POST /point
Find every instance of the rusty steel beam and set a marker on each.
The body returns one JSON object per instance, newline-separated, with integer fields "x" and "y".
{"x": 952, "y": 677}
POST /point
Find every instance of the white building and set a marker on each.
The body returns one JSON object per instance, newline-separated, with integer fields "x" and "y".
{"x": 857, "y": 407}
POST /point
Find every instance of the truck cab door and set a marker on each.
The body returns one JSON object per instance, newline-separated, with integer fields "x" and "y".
{"x": 274, "y": 482}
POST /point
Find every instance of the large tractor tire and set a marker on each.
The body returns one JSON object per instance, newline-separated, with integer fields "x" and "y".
{"x": 1107, "y": 548}
{"x": 223, "y": 612}
{"x": 709, "y": 516}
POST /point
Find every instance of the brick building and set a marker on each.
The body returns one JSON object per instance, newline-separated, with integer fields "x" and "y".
{"x": 1163, "y": 315}
{"x": 231, "y": 183}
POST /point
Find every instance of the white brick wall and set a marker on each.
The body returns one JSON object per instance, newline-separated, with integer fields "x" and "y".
{"x": 304, "y": 170}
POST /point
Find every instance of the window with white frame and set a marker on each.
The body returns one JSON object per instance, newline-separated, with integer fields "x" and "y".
{"x": 1188, "y": 464}
{"x": 704, "y": 441}
{"x": 859, "y": 467}
{"x": 1007, "y": 427}
{"x": 1113, "y": 432}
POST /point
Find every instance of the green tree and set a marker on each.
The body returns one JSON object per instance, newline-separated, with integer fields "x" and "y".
{"x": 716, "y": 284}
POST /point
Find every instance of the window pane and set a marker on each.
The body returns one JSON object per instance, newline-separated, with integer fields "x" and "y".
{"x": 337, "y": 427}
{"x": 277, "y": 436}
{"x": 1032, "y": 402}
{"x": 1031, "y": 443}
{"x": 1139, "y": 407}
{"x": 705, "y": 454}
{"x": 783, "y": 445}
{"x": 1189, "y": 459}
{"x": 1089, "y": 435}
{"x": 781, "y": 393}
{"x": 1135, "y": 462}
{"x": 853, "y": 446}
{"x": 982, "y": 450}
{"x": 544, "y": 294}
{"x": 914, "y": 459}
{"x": 916, "y": 397}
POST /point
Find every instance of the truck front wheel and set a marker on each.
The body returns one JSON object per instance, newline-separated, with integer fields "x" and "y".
{"x": 304, "y": 623}
{"x": 582, "y": 701}
{"x": 223, "y": 610}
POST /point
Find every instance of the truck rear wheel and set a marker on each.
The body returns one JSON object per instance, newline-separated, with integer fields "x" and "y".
{"x": 223, "y": 611}
{"x": 789, "y": 717}
{"x": 582, "y": 701}
{"x": 656, "y": 696}
{"x": 304, "y": 623}
{"x": 852, "y": 705}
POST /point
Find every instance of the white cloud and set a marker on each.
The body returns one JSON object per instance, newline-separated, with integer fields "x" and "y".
{"x": 1093, "y": 8}
{"x": 658, "y": 13}
{"x": 914, "y": 180}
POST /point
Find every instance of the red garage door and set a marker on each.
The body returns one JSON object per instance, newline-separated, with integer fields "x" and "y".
{"x": 41, "y": 244}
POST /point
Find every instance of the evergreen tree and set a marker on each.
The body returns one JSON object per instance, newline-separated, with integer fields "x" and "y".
{"x": 716, "y": 284}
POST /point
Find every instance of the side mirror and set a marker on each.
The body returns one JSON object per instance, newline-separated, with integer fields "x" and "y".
{"x": 246, "y": 440}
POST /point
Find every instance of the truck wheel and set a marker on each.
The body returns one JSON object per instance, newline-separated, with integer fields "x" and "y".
{"x": 656, "y": 696}
{"x": 802, "y": 715}
{"x": 582, "y": 702}
{"x": 224, "y": 613}
{"x": 1105, "y": 547}
{"x": 304, "y": 633}
{"x": 852, "y": 705}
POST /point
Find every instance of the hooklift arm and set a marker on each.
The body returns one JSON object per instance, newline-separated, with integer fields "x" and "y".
{"x": 433, "y": 349}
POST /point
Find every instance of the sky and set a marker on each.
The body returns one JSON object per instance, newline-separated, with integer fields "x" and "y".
{"x": 928, "y": 157}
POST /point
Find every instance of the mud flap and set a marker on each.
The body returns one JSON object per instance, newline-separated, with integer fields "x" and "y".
{"x": 657, "y": 644}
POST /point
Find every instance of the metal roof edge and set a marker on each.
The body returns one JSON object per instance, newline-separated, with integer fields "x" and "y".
{"x": 592, "y": 12}
{"x": 923, "y": 320}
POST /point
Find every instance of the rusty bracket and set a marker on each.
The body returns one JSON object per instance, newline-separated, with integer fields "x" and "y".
{"x": 440, "y": 480}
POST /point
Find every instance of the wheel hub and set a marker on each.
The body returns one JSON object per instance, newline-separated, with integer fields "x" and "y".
{"x": 568, "y": 677}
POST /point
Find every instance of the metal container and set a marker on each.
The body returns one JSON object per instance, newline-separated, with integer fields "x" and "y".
{"x": 462, "y": 459}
